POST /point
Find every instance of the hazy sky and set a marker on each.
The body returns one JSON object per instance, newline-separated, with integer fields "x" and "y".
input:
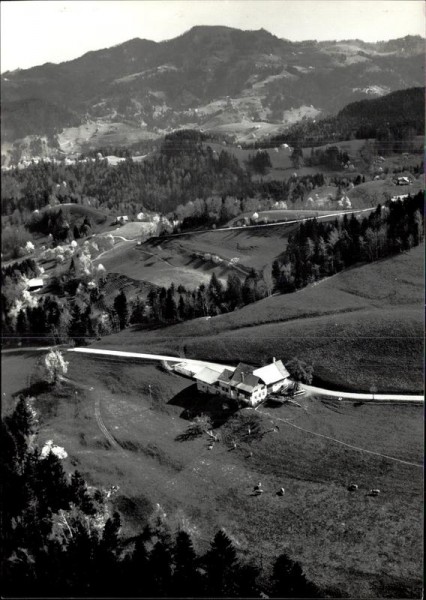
{"x": 33, "y": 32}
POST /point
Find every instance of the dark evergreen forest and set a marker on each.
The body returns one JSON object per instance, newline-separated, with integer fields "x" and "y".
{"x": 61, "y": 538}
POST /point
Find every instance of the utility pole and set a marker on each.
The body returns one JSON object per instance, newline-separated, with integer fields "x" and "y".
{"x": 150, "y": 396}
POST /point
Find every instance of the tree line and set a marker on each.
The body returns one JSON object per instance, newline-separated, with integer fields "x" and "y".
{"x": 61, "y": 537}
{"x": 395, "y": 118}
{"x": 183, "y": 169}
{"x": 175, "y": 304}
{"x": 320, "y": 249}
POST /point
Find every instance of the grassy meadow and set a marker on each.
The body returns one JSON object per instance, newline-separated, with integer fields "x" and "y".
{"x": 172, "y": 259}
{"x": 117, "y": 433}
{"x": 359, "y": 328}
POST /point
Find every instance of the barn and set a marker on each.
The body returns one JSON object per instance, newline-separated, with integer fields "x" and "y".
{"x": 35, "y": 284}
{"x": 207, "y": 381}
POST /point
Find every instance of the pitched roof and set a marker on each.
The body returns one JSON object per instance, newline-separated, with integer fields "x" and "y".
{"x": 246, "y": 386}
{"x": 225, "y": 376}
{"x": 244, "y": 369}
{"x": 207, "y": 375}
{"x": 35, "y": 282}
{"x": 272, "y": 373}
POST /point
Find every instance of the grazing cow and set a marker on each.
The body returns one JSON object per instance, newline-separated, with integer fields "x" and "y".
{"x": 374, "y": 492}
{"x": 281, "y": 492}
{"x": 258, "y": 486}
{"x": 352, "y": 487}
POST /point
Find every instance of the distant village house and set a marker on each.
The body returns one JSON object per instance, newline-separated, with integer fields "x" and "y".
{"x": 403, "y": 181}
{"x": 35, "y": 284}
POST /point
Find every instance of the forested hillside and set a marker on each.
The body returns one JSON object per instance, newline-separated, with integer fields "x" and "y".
{"x": 394, "y": 120}
{"x": 209, "y": 77}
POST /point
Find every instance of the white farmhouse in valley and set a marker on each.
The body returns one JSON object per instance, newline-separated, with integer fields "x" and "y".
{"x": 243, "y": 383}
{"x": 275, "y": 376}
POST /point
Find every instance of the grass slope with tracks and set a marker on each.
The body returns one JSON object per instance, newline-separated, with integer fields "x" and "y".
{"x": 359, "y": 328}
{"x": 118, "y": 430}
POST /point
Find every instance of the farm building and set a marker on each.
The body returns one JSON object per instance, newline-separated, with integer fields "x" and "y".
{"x": 35, "y": 284}
{"x": 244, "y": 384}
{"x": 403, "y": 181}
{"x": 275, "y": 376}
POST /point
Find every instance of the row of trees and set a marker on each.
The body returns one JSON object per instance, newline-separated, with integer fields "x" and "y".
{"x": 75, "y": 307}
{"x": 85, "y": 314}
{"x": 58, "y": 223}
{"x": 62, "y": 538}
{"x": 216, "y": 210}
{"x": 318, "y": 250}
{"x": 172, "y": 304}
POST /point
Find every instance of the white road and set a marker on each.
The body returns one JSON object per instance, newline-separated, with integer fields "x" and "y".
{"x": 278, "y": 224}
{"x": 236, "y": 228}
{"x": 356, "y": 396}
{"x": 157, "y": 357}
{"x": 314, "y": 390}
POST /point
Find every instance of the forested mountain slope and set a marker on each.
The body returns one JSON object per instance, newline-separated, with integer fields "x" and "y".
{"x": 208, "y": 77}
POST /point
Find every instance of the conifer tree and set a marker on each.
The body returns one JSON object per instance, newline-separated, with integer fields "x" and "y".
{"x": 221, "y": 564}
{"x": 120, "y": 306}
{"x": 186, "y": 578}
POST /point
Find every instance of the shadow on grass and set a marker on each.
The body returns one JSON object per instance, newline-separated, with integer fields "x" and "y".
{"x": 35, "y": 389}
{"x": 189, "y": 434}
{"x": 194, "y": 404}
{"x": 273, "y": 403}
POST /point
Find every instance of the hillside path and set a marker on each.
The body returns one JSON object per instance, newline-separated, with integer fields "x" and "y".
{"x": 308, "y": 388}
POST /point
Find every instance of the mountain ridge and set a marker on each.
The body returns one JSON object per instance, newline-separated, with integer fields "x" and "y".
{"x": 231, "y": 79}
{"x": 413, "y": 38}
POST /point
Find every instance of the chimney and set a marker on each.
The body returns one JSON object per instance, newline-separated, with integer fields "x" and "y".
{"x": 273, "y": 359}
{"x": 242, "y": 376}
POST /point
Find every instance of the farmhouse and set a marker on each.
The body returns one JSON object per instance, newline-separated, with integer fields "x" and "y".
{"x": 35, "y": 284}
{"x": 275, "y": 376}
{"x": 244, "y": 384}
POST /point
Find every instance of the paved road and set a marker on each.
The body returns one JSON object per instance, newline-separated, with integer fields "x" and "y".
{"x": 279, "y": 224}
{"x": 235, "y": 228}
{"x": 355, "y": 396}
{"x": 158, "y": 357}
{"x": 315, "y": 390}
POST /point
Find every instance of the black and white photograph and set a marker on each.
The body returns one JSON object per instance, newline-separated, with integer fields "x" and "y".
{"x": 212, "y": 299}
